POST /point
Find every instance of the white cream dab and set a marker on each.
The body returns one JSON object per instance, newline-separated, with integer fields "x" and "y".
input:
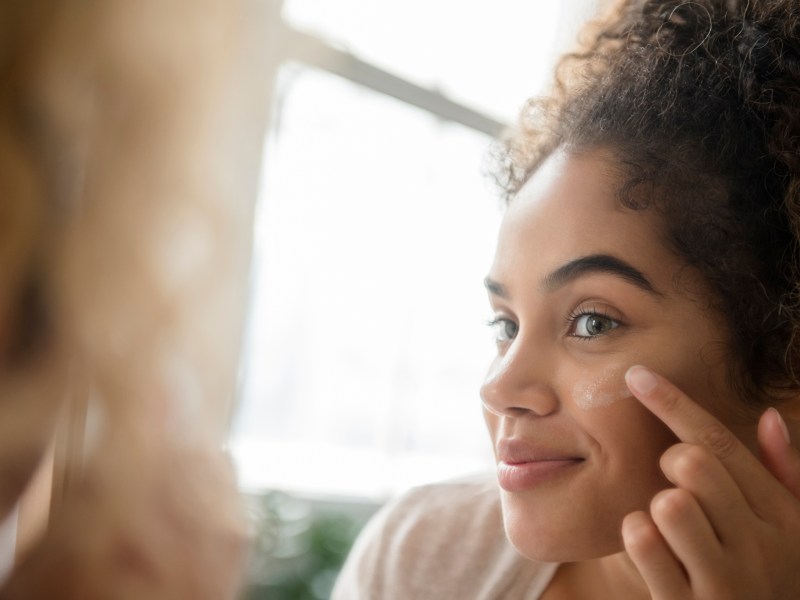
{"x": 602, "y": 390}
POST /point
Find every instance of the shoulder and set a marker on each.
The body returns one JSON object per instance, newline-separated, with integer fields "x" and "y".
{"x": 437, "y": 541}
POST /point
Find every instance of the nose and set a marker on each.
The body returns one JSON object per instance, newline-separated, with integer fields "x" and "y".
{"x": 518, "y": 384}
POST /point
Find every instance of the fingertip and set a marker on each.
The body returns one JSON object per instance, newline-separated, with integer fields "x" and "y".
{"x": 639, "y": 533}
{"x": 773, "y": 413}
{"x": 777, "y": 453}
{"x": 772, "y": 430}
{"x": 652, "y": 556}
{"x": 632, "y": 519}
{"x": 635, "y": 525}
{"x": 671, "y": 505}
{"x": 641, "y": 380}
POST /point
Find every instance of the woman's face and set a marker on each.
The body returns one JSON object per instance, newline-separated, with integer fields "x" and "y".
{"x": 582, "y": 289}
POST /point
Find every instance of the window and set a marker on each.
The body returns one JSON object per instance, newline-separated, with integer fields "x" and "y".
{"x": 376, "y": 224}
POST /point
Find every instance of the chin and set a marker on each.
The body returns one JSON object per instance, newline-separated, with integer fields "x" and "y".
{"x": 544, "y": 537}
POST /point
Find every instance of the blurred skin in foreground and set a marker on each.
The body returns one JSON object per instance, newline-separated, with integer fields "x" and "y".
{"x": 122, "y": 255}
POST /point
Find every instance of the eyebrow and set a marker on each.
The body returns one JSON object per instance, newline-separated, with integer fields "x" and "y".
{"x": 494, "y": 288}
{"x": 585, "y": 265}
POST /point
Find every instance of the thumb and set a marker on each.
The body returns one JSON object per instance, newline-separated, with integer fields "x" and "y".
{"x": 777, "y": 453}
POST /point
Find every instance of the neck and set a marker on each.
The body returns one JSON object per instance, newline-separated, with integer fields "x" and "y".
{"x": 609, "y": 577}
{"x": 617, "y": 572}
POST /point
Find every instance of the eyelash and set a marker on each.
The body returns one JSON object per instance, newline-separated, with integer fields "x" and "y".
{"x": 583, "y": 311}
{"x": 571, "y": 320}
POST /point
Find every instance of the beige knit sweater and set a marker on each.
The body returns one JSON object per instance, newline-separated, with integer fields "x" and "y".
{"x": 439, "y": 542}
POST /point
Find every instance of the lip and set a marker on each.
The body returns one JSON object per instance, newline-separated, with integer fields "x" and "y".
{"x": 523, "y": 466}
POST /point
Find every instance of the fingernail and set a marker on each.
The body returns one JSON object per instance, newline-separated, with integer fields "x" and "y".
{"x": 782, "y": 424}
{"x": 641, "y": 380}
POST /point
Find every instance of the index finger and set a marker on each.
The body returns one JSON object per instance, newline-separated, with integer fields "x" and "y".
{"x": 695, "y": 425}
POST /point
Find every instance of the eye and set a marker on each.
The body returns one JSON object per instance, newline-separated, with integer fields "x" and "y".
{"x": 505, "y": 329}
{"x": 589, "y": 325}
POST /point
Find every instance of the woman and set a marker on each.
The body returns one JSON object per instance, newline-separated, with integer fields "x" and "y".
{"x": 645, "y": 393}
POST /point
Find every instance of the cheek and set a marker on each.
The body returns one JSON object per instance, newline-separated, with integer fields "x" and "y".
{"x": 628, "y": 438}
{"x": 630, "y": 431}
{"x": 629, "y": 443}
{"x": 601, "y": 389}
{"x": 700, "y": 370}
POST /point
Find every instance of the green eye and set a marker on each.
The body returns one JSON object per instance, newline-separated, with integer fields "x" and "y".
{"x": 593, "y": 324}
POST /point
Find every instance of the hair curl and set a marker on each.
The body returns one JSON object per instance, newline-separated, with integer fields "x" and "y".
{"x": 699, "y": 101}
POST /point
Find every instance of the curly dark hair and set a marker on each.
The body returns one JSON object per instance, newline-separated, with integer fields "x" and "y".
{"x": 699, "y": 102}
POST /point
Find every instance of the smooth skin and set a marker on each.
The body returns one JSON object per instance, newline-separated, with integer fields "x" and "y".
{"x": 667, "y": 499}
{"x": 730, "y": 528}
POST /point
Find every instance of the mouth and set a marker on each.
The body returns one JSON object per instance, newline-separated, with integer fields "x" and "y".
{"x": 518, "y": 477}
{"x": 522, "y": 466}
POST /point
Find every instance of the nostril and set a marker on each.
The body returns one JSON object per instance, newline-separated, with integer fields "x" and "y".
{"x": 532, "y": 400}
{"x": 506, "y": 411}
{"x": 497, "y": 403}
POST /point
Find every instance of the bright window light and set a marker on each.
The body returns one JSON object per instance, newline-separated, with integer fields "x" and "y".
{"x": 366, "y": 342}
{"x": 490, "y": 55}
{"x": 367, "y": 338}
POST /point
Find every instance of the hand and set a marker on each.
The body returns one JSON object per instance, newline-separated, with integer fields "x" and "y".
{"x": 730, "y": 528}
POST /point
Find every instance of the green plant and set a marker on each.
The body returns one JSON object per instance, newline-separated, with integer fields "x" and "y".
{"x": 298, "y": 549}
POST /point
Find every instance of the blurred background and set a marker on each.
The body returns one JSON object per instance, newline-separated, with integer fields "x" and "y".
{"x": 366, "y": 340}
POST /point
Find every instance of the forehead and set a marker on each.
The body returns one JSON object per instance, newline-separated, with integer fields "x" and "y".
{"x": 569, "y": 209}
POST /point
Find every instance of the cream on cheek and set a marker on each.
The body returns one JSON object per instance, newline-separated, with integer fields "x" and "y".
{"x": 603, "y": 389}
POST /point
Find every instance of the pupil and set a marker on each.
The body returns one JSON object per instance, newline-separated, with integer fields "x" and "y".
{"x": 595, "y": 325}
